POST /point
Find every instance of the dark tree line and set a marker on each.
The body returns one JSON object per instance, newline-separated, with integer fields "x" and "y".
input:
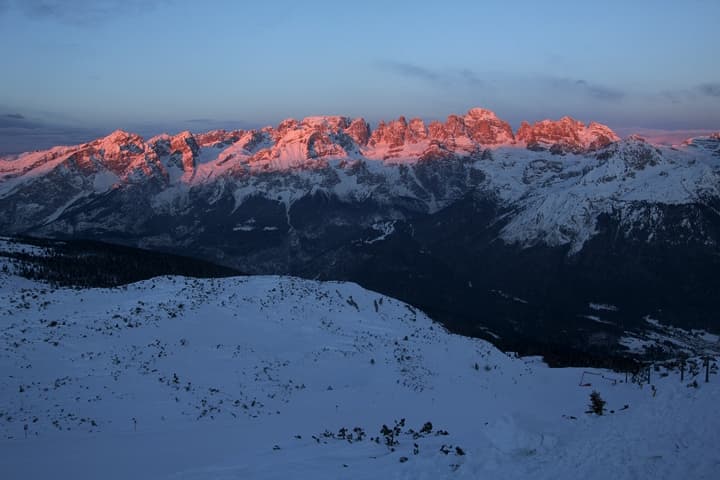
{"x": 84, "y": 263}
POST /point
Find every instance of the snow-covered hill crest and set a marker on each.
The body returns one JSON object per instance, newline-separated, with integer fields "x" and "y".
{"x": 270, "y": 377}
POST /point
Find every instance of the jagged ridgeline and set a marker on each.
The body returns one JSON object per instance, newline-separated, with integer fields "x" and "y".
{"x": 85, "y": 263}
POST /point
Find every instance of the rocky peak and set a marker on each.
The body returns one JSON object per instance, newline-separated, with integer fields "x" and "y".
{"x": 253, "y": 141}
{"x": 283, "y": 129}
{"x": 479, "y": 126}
{"x": 120, "y": 137}
{"x": 294, "y": 142}
{"x": 479, "y": 113}
{"x": 286, "y": 125}
{"x": 636, "y": 138}
{"x": 484, "y": 127}
{"x": 326, "y": 123}
{"x": 359, "y": 131}
{"x": 182, "y": 148}
{"x": 392, "y": 133}
{"x": 709, "y": 143}
{"x": 455, "y": 126}
{"x": 566, "y": 135}
{"x": 291, "y": 130}
{"x": 599, "y": 136}
{"x": 436, "y": 131}
{"x": 115, "y": 151}
{"x": 417, "y": 129}
{"x": 184, "y": 140}
{"x": 120, "y": 141}
{"x": 635, "y": 152}
{"x": 217, "y": 138}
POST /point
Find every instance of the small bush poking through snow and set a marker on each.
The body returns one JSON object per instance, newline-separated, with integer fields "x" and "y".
{"x": 597, "y": 404}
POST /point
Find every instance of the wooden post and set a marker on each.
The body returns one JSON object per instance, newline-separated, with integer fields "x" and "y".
{"x": 682, "y": 370}
{"x": 707, "y": 369}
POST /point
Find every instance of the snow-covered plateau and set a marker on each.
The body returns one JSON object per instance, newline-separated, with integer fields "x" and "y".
{"x": 275, "y": 377}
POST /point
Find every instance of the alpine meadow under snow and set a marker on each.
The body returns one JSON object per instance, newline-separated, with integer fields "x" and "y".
{"x": 278, "y": 377}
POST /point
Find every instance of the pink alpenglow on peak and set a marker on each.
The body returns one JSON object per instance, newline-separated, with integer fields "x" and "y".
{"x": 119, "y": 141}
{"x": 482, "y": 114}
{"x": 329, "y": 122}
{"x": 308, "y": 143}
{"x": 119, "y": 152}
{"x": 393, "y": 134}
{"x": 566, "y": 135}
{"x": 479, "y": 127}
{"x": 486, "y": 128}
{"x": 218, "y": 138}
{"x": 359, "y": 131}
{"x": 120, "y": 137}
{"x": 311, "y": 143}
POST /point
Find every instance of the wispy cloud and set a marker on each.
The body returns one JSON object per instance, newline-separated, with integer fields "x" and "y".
{"x": 410, "y": 70}
{"x": 452, "y": 78}
{"x": 675, "y": 96}
{"x": 592, "y": 90}
{"x": 435, "y": 76}
{"x": 709, "y": 89}
{"x": 600, "y": 92}
{"x": 22, "y": 133}
{"x": 16, "y": 120}
{"x": 81, "y": 12}
{"x": 692, "y": 94}
{"x": 471, "y": 78}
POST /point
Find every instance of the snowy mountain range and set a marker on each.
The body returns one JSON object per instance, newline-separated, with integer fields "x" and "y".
{"x": 554, "y": 217}
{"x": 275, "y": 377}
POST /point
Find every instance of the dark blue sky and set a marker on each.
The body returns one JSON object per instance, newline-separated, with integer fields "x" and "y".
{"x": 72, "y": 68}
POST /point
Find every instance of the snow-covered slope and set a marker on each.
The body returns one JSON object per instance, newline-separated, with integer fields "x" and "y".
{"x": 256, "y": 377}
